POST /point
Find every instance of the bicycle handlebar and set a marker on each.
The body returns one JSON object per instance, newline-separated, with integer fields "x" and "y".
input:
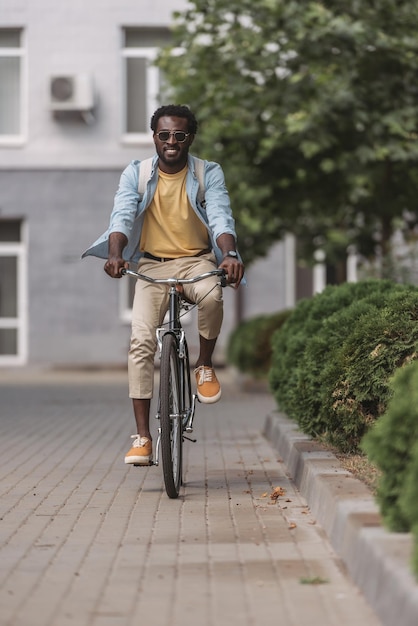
{"x": 177, "y": 281}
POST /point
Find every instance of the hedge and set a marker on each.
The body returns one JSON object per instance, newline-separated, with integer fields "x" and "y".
{"x": 333, "y": 357}
{"x": 345, "y": 366}
{"x": 249, "y": 345}
{"x": 392, "y": 444}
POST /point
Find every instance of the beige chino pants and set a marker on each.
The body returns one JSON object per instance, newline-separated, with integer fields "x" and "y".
{"x": 150, "y": 306}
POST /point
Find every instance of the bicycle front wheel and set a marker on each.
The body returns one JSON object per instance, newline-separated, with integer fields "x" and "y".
{"x": 171, "y": 416}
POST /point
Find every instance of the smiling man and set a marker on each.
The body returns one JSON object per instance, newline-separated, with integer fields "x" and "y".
{"x": 170, "y": 231}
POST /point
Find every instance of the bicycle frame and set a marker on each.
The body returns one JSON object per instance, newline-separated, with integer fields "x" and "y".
{"x": 174, "y": 324}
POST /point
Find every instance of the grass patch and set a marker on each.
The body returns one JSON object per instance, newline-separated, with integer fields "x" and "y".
{"x": 357, "y": 464}
{"x": 313, "y": 580}
{"x": 361, "y": 468}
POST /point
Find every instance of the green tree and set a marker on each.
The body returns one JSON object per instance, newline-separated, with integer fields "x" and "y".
{"x": 312, "y": 109}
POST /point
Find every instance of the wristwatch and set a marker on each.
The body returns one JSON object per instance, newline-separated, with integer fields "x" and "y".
{"x": 232, "y": 254}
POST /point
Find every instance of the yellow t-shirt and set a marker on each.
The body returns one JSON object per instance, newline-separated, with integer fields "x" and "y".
{"x": 171, "y": 227}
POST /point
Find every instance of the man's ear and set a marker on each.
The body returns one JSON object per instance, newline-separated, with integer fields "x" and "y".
{"x": 191, "y": 139}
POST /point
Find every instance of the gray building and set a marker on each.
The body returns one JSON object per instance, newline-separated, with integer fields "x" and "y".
{"x": 77, "y": 89}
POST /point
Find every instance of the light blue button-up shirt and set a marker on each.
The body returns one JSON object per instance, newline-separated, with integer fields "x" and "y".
{"x": 129, "y": 208}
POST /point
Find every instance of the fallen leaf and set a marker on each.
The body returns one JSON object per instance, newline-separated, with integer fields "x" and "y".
{"x": 277, "y": 492}
{"x": 292, "y": 526}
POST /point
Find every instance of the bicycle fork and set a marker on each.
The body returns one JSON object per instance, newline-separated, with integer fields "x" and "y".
{"x": 187, "y": 428}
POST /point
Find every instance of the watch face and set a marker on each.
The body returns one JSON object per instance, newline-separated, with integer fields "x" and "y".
{"x": 232, "y": 253}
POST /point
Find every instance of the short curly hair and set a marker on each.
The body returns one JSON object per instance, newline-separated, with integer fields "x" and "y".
{"x": 175, "y": 110}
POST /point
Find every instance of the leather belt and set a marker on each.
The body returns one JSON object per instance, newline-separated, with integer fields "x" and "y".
{"x": 163, "y": 259}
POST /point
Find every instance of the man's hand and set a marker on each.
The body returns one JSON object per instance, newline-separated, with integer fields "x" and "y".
{"x": 234, "y": 269}
{"x": 114, "y": 265}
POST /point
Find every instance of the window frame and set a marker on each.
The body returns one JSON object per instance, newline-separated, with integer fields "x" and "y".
{"x": 20, "y": 138}
{"x": 153, "y": 74}
{"x": 20, "y": 322}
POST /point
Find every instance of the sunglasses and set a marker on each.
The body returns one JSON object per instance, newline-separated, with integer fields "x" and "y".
{"x": 178, "y": 135}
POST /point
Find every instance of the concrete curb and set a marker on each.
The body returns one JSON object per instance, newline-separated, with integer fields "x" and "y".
{"x": 377, "y": 561}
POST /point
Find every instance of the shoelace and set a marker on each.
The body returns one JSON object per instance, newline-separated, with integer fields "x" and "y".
{"x": 139, "y": 441}
{"x": 205, "y": 375}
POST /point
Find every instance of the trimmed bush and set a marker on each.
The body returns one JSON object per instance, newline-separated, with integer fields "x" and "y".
{"x": 409, "y": 497}
{"x": 249, "y": 346}
{"x": 323, "y": 366}
{"x": 384, "y": 339}
{"x": 392, "y": 446}
{"x": 345, "y": 365}
{"x": 332, "y": 359}
{"x": 288, "y": 373}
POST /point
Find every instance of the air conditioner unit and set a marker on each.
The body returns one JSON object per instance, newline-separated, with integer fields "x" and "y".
{"x": 71, "y": 92}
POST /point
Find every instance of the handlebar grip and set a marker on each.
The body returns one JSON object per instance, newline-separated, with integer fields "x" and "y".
{"x": 224, "y": 279}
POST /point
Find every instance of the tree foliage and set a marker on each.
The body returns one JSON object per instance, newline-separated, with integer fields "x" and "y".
{"x": 312, "y": 109}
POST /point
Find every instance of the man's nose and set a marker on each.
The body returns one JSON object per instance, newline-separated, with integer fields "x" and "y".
{"x": 171, "y": 138}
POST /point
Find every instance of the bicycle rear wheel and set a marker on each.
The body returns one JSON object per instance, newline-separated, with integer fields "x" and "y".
{"x": 171, "y": 416}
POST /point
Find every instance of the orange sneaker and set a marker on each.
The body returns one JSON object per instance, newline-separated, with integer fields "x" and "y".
{"x": 208, "y": 387}
{"x": 141, "y": 451}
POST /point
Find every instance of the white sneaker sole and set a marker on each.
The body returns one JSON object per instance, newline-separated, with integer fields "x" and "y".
{"x": 209, "y": 400}
{"x": 138, "y": 460}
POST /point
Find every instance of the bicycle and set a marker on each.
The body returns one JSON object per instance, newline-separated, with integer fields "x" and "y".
{"x": 176, "y": 402}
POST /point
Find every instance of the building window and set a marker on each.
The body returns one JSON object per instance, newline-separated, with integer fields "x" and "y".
{"x": 11, "y": 81}
{"x": 13, "y": 318}
{"x": 142, "y": 79}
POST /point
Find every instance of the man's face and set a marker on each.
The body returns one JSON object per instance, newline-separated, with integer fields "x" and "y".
{"x": 171, "y": 152}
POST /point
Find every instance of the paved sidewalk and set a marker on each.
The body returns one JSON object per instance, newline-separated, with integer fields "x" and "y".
{"x": 87, "y": 541}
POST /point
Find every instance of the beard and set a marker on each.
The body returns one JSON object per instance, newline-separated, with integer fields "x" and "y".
{"x": 171, "y": 159}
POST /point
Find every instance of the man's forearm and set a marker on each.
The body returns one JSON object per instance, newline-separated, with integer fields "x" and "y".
{"x": 115, "y": 262}
{"x": 226, "y": 242}
{"x": 232, "y": 265}
{"x": 117, "y": 242}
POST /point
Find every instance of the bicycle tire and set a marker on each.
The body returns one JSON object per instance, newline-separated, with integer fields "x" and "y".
{"x": 171, "y": 417}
